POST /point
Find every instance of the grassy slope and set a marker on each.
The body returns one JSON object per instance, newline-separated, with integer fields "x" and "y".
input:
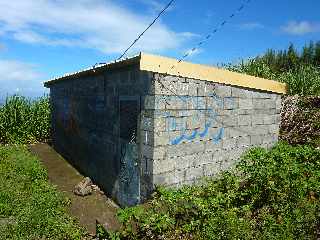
{"x": 270, "y": 195}
{"x": 33, "y": 208}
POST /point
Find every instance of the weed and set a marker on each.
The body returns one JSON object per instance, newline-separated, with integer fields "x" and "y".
{"x": 271, "y": 194}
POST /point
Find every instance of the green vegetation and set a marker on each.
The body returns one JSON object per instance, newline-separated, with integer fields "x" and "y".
{"x": 23, "y": 121}
{"x": 30, "y": 208}
{"x": 271, "y": 194}
{"x": 300, "y": 70}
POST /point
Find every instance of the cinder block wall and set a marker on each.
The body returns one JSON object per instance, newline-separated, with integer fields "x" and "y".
{"x": 192, "y": 128}
{"x": 85, "y": 122}
{"x": 187, "y": 128}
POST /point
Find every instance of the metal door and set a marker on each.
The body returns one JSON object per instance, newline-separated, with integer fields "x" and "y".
{"x": 129, "y": 177}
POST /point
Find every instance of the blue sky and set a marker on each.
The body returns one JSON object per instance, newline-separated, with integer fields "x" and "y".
{"x": 46, "y": 38}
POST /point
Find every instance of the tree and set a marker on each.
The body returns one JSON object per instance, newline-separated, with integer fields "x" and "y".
{"x": 317, "y": 54}
{"x": 308, "y": 54}
{"x": 292, "y": 57}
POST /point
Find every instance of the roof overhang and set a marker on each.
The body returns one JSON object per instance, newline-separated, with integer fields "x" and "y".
{"x": 170, "y": 66}
{"x": 95, "y": 70}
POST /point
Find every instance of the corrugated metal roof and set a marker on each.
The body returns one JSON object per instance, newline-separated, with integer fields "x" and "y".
{"x": 97, "y": 68}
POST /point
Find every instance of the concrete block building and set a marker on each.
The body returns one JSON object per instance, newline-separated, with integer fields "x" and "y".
{"x": 150, "y": 120}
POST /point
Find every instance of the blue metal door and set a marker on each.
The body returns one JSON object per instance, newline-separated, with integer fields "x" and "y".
{"x": 129, "y": 176}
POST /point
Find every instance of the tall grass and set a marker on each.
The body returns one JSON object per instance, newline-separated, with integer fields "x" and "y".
{"x": 24, "y": 121}
{"x": 302, "y": 79}
{"x": 299, "y": 70}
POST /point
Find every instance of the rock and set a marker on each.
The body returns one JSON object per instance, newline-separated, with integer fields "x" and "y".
{"x": 83, "y": 188}
{"x": 97, "y": 189}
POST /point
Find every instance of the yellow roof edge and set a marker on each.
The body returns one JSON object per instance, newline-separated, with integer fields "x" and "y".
{"x": 160, "y": 64}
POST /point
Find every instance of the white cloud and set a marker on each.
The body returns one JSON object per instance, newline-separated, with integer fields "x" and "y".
{"x": 300, "y": 28}
{"x": 29, "y": 37}
{"x": 19, "y": 77}
{"x": 189, "y": 35}
{"x": 17, "y": 71}
{"x": 251, "y": 26}
{"x": 156, "y": 6}
{"x": 153, "y": 4}
{"x": 95, "y": 24}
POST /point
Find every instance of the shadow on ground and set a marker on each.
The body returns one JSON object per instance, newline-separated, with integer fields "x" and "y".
{"x": 87, "y": 210}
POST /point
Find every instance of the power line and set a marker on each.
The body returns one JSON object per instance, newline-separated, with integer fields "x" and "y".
{"x": 208, "y": 36}
{"x": 214, "y": 31}
{"x": 150, "y": 25}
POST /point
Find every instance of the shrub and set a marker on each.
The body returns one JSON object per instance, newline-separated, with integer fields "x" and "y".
{"x": 24, "y": 121}
{"x": 271, "y": 194}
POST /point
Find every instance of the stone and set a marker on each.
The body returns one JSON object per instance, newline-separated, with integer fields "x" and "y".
{"x": 258, "y": 119}
{"x": 245, "y": 103}
{"x": 230, "y": 103}
{"x": 243, "y": 141}
{"x": 97, "y": 189}
{"x": 241, "y": 93}
{"x": 223, "y": 91}
{"x": 256, "y": 140}
{"x": 269, "y": 119}
{"x": 229, "y": 144}
{"x": 83, "y": 188}
{"x": 193, "y": 173}
{"x": 244, "y": 120}
{"x": 164, "y": 166}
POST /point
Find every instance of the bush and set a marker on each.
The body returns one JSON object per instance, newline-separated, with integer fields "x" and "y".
{"x": 23, "y": 121}
{"x": 303, "y": 80}
{"x": 269, "y": 195}
{"x": 30, "y": 208}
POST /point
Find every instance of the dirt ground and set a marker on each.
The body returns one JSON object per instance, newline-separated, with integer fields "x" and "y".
{"x": 87, "y": 210}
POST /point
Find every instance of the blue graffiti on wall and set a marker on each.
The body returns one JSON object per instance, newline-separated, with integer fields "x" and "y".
{"x": 201, "y": 110}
